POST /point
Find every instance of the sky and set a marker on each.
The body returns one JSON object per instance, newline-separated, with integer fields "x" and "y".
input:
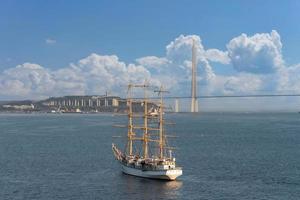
{"x": 60, "y": 47}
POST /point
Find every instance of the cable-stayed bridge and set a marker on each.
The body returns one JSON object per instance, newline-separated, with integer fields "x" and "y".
{"x": 229, "y": 96}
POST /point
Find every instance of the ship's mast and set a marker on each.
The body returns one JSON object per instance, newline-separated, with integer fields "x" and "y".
{"x": 161, "y": 140}
{"x": 131, "y": 127}
{"x": 146, "y": 127}
{"x": 145, "y": 135}
{"x": 130, "y": 124}
{"x": 161, "y": 136}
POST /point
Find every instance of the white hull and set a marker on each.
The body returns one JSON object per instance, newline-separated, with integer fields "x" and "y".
{"x": 170, "y": 174}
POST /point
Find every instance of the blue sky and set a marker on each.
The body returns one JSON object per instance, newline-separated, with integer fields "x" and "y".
{"x": 132, "y": 29}
{"x": 54, "y": 48}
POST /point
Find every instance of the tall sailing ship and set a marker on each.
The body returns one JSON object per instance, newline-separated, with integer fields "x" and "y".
{"x": 146, "y": 153}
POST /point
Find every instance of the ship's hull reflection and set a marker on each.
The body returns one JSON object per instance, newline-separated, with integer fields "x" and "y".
{"x": 145, "y": 188}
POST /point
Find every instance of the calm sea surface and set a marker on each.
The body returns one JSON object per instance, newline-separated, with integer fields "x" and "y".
{"x": 224, "y": 156}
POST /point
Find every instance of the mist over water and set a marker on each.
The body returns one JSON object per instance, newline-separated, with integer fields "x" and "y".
{"x": 224, "y": 156}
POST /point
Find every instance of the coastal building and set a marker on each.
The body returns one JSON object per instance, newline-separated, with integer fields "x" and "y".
{"x": 85, "y": 103}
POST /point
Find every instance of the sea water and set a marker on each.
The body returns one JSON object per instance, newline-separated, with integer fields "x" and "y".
{"x": 223, "y": 155}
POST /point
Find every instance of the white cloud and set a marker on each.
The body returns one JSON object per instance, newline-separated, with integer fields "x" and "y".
{"x": 50, "y": 41}
{"x": 180, "y": 49}
{"x": 288, "y": 79}
{"x": 153, "y": 62}
{"x": 174, "y": 70}
{"x": 257, "y": 60}
{"x": 216, "y": 55}
{"x": 179, "y": 52}
{"x": 26, "y": 80}
{"x": 260, "y": 53}
{"x": 94, "y": 74}
{"x": 243, "y": 84}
